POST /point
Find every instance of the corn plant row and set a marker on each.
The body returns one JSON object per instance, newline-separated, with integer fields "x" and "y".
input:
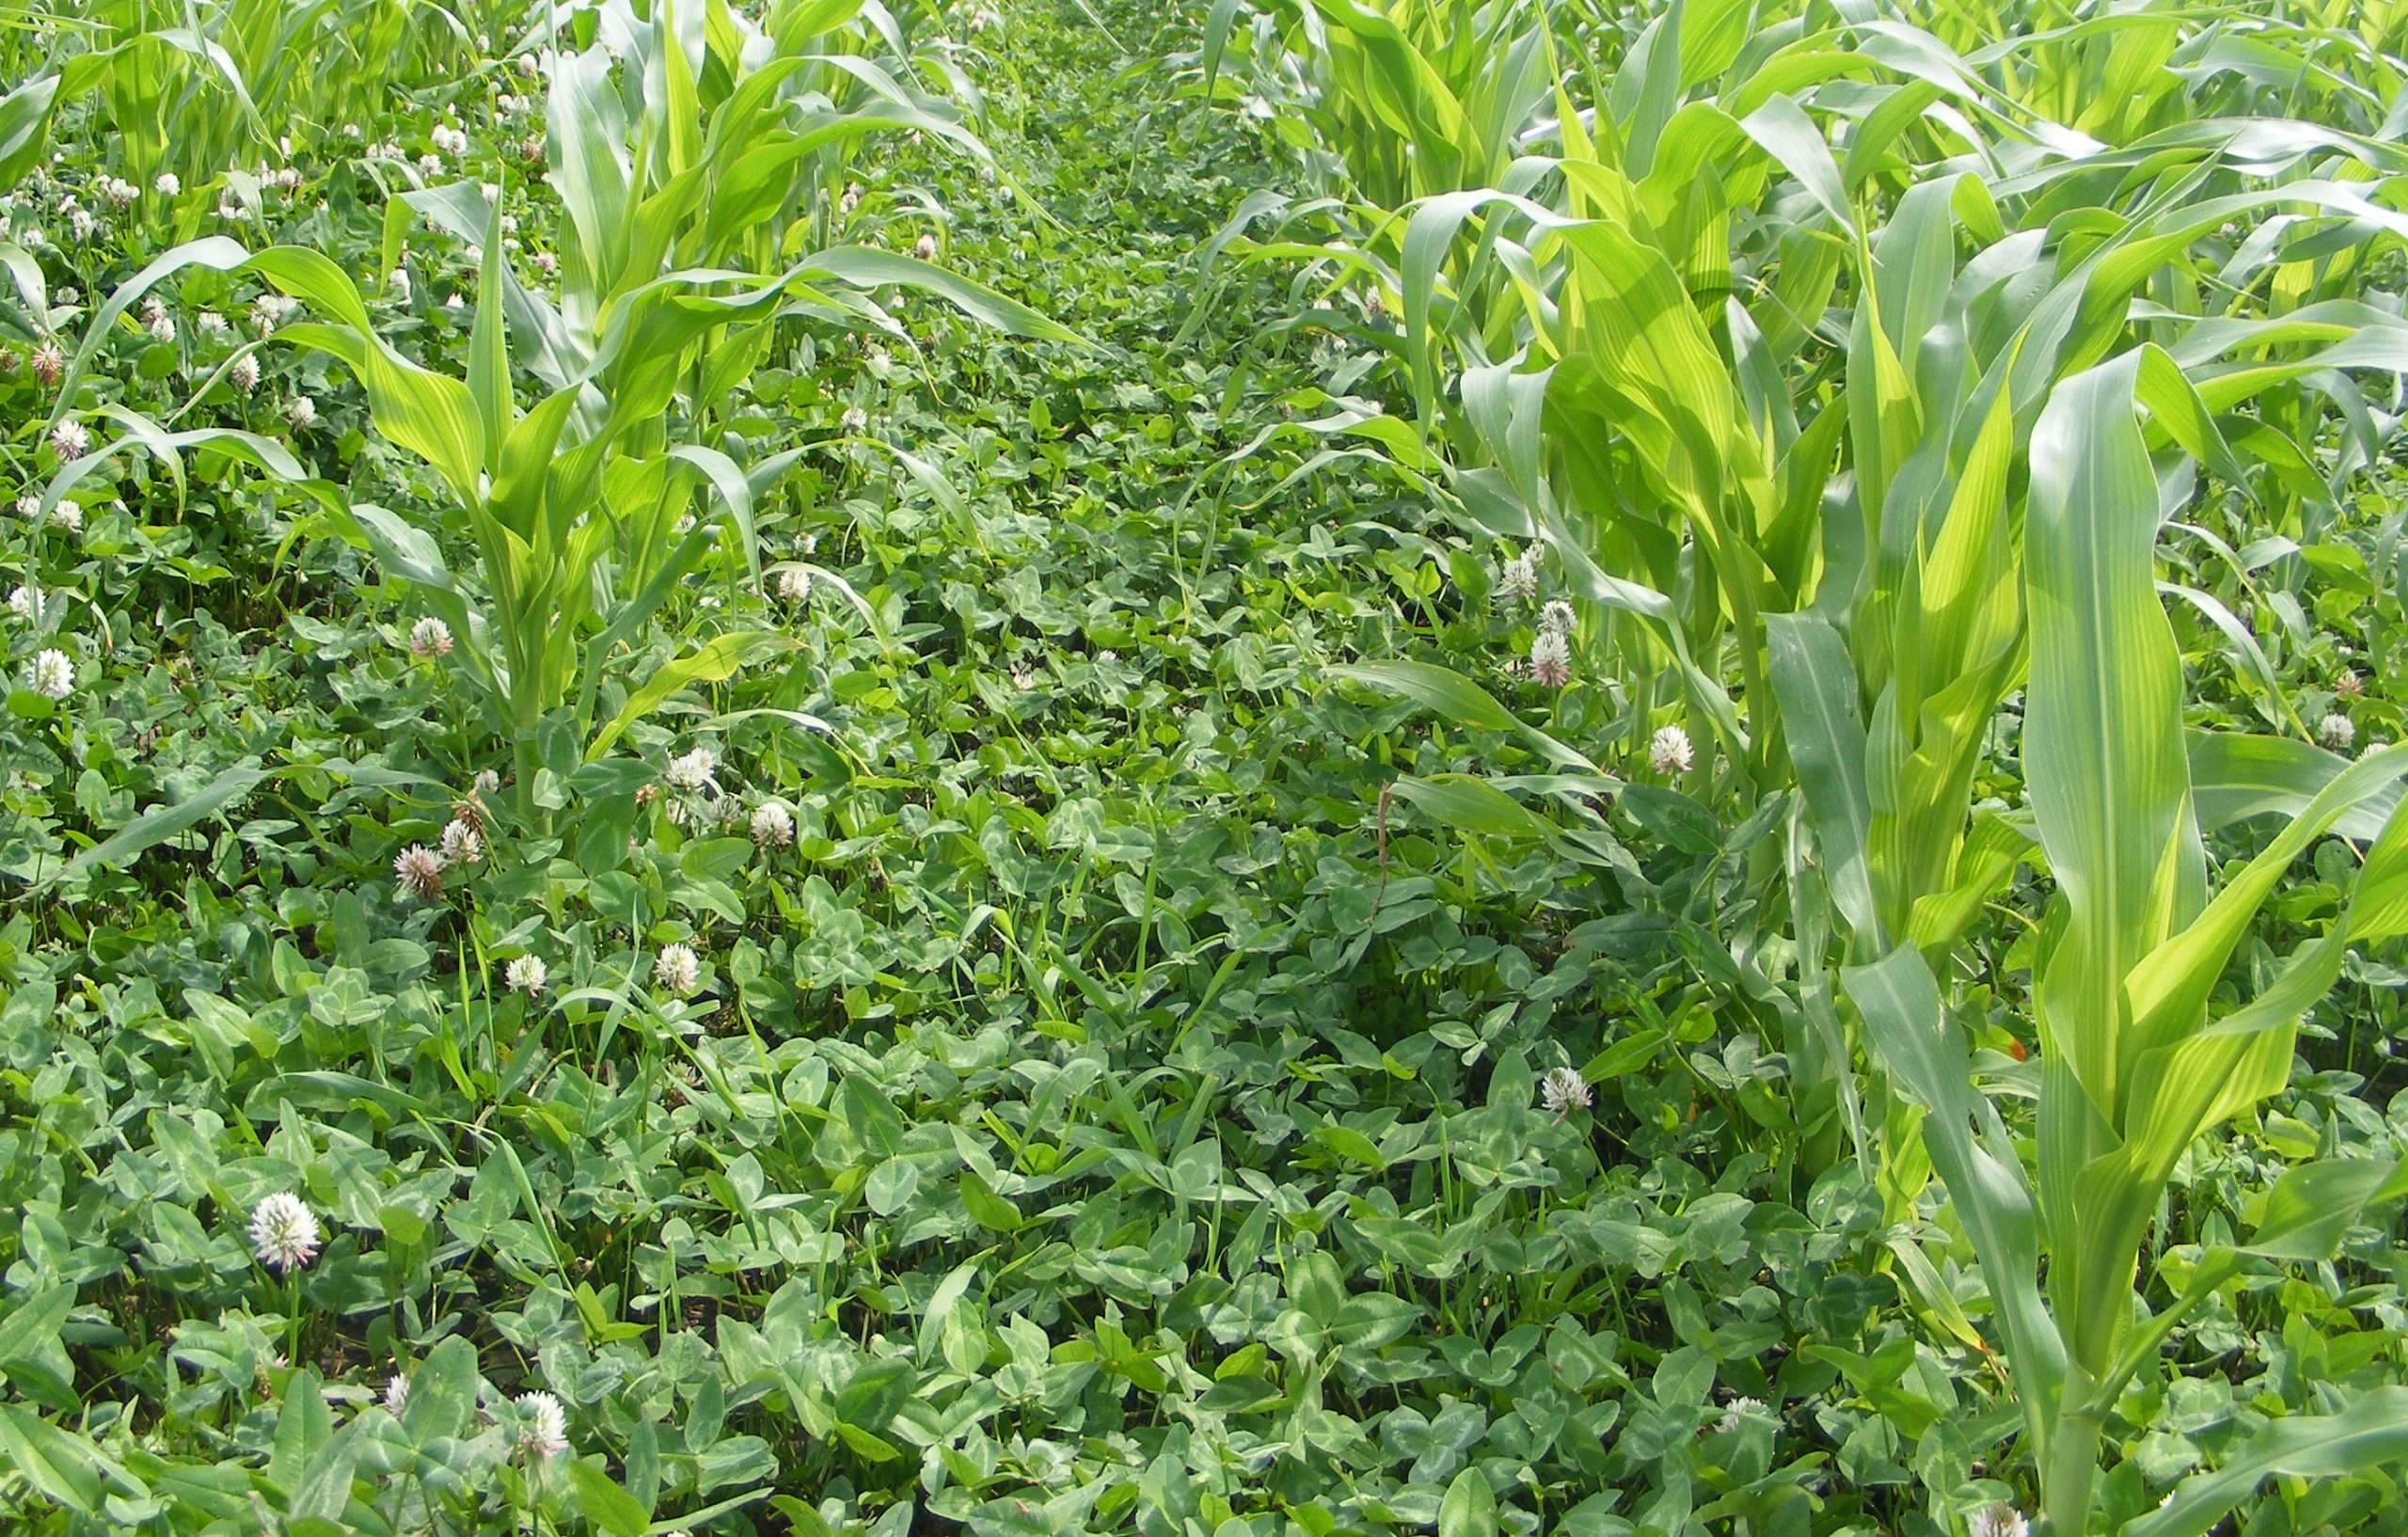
{"x": 1850, "y": 374}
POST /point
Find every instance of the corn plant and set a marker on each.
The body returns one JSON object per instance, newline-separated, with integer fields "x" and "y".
{"x": 1761, "y": 430}
{"x": 2133, "y": 1067}
{"x": 708, "y": 152}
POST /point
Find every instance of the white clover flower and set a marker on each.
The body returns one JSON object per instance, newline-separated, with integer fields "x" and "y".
{"x": 288, "y": 178}
{"x": 793, "y": 584}
{"x": 397, "y": 283}
{"x": 1556, "y": 616}
{"x": 26, "y": 602}
{"x": 2349, "y": 685}
{"x": 927, "y": 248}
{"x": 1519, "y": 576}
{"x": 397, "y": 1395}
{"x": 1999, "y": 1520}
{"x": 527, "y": 66}
{"x": 245, "y": 374}
{"x": 486, "y": 781}
{"x": 68, "y": 515}
{"x": 691, "y": 771}
{"x": 2337, "y": 731}
{"x": 52, "y": 675}
{"x": 270, "y": 310}
{"x": 430, "y": 637}
{"x": 430, "y": 164}
{"x": 1669, "y": 752}
{"x": 118, "y": 190}
{"x": 211, "y": 324}
{"x": 543, "y": 1428}
{"x": 1563, "y": 1089}
{"x": 772, "y": 824}
{"x": 462, "y": 843}
{"x": 81, "y": 225}
{"x": 169, "y": 183}
{"x": 526, "y": 975}
{"x": 547, "y": 264}
{"x": 1736, "y": 1415}
{"x": 419, "y": 870}
{"x": 70, "y": 438}
{"x": 284, "y": 1233}
{"x": 678, "y": 968}
{"x": 48, "y": 363}
{"x": 1551, "y": 659}
{"x": 304, "y": 414}
{"x": 162, "y": 327}
{"x": 29, "y": 506}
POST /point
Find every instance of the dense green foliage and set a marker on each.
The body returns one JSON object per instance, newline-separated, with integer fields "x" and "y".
{"x": 1263, "y": 769}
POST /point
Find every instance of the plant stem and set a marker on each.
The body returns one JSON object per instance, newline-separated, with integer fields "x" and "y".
{"x": 2070, "y": 1466}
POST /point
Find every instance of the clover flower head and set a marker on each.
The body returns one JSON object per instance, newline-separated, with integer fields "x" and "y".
{"x": 169, "y": 183}
{"x": 526, "y": 975}
{"x": 927, "y": 248}
{"x": 2337, "y": 731}
{"x": 1670, "y": 752}
{"x": 678, "y": 968}
{"x": 430, "y": 637}
{"x": 397, "y": 1395}
{"x": 1551, "y": 659}
{"x": 772, "y": 824}
{"x": 1519, "y": 576}
{"x": 1999, "y": 1520}
{"x": 793, "y": 584}
{"x": 542, "y": 1426}
{"x": 1563, "y": 1089}
{"x": 284, "y": 1232}
{"x": 1556, "y": 616}
{"x": 304, "y": 414}
{"x": 462, "y": 843}
{"x": 1736, "y": 1414}
{"x": 419, "y": 870}
{"x": 691, "y": 771}
{"x": 70, "y": 438}
{"x": 52, "y": 675}
{"x": 245, "y": 374}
